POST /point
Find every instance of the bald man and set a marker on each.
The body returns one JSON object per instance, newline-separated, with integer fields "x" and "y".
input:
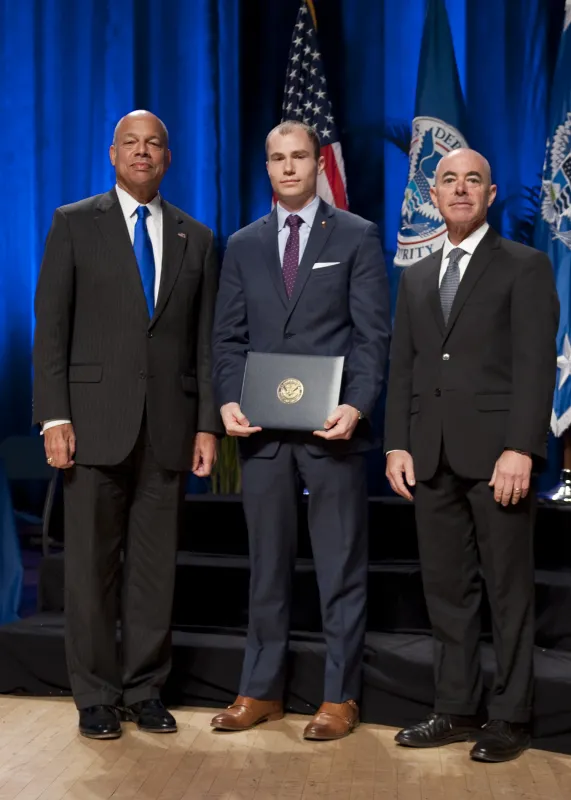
{"x": 469, "y": 400}
{"x": 124, "y": 309}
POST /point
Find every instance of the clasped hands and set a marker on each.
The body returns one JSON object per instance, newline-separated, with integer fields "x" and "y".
{"x": 340, "y": 424}
{"x": 510, "y": 480}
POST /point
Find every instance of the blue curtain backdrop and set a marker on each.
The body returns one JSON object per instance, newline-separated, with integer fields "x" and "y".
{"x": 214, "y": 71}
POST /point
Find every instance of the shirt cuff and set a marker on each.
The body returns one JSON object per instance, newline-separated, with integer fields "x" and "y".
{"x": 51, "y": 423}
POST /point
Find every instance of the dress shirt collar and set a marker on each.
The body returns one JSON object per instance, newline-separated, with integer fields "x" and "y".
{"x": 307, "y": 213}
{"x": 129, "y": 205}
{"x": 468, "y": 244}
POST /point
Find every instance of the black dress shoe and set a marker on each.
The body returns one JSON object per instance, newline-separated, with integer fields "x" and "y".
{"x": 439, "y": 729}
{"x": 150, "y": 716}
{"x": 100, "y": 722}
{"x": 501, "y": 741}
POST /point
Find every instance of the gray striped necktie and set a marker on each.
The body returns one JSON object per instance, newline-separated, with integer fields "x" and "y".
{"x": 450, "y": 281}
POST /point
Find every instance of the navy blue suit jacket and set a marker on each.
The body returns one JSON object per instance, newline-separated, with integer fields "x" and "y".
{"x": 338, "y": 310}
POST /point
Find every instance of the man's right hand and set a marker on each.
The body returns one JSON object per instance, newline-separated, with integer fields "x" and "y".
{"x": 399, "y": 464}
{"x": 59, "y": 444}
{"x": 235, "y": 422}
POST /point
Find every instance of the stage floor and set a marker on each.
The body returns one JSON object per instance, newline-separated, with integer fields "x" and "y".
{"x": 43, "y": 758}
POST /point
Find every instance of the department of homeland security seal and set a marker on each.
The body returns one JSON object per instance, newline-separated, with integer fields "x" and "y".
{"x": 556, "y": 184}
{"x": 422, "y": 229}
{"x": 290, "y": 391}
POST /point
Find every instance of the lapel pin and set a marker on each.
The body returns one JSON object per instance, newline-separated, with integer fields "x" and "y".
{"x": 323, "y": 223}
{"x": 182, "y": 235}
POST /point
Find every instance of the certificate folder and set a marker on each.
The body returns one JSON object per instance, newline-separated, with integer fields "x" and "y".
{"x": 290, "y": 392}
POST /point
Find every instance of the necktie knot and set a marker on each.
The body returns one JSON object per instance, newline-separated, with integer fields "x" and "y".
{"x": 455, "y": 255}
{"x": 142, "y": 212}
{"x": 293, "y": 221}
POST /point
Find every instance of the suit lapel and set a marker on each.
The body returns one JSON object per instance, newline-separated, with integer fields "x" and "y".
{"x": 174, "y": 247}
{"x": 480, "y": 261}
{"x": 111, "y": 222}
{"x": 433, "y": 292}
{"x": 269, "y": 237}
{"x": 321, "y": 230}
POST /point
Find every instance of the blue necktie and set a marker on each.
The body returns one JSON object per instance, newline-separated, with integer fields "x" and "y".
{"x": 145, "y": 258}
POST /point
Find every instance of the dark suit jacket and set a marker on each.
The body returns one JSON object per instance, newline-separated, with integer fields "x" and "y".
{"x": 485, "y": 381}
{"x": 341, "y": 310}
{"x": 98, "y": 359}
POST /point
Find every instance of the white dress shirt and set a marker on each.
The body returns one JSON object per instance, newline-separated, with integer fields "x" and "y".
{"x": 154, "y": 222}
{"x": 308, "y": 216}
{"x": 468, "y": 244}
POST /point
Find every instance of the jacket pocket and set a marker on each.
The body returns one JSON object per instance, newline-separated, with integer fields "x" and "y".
{"x": 85, "y": 373}
{"x": 493, "y": 402}
{"x": 189, "y": 384}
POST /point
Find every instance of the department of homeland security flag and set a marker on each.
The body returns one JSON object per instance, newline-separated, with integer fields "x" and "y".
{"x": 306, "y": 100}
{"x": 437, "y": 128}
{"x": 553, "y": 231}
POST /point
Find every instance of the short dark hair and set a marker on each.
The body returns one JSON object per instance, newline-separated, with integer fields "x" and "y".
{"x": 291, "y": 125}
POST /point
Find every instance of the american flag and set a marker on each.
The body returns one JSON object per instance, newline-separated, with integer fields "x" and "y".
{"x": 305, "y": 99}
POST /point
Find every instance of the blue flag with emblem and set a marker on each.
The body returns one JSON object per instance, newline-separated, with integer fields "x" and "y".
{"x": 437, "y": 128}
{"x": 553, "y": 230}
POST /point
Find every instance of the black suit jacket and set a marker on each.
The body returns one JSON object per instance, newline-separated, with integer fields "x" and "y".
{"x": 485, "y": 381}
{"x": 339, "y": 310}
{"x": 98, "y": 359}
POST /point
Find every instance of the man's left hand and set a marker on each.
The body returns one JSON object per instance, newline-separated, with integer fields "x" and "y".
{"x": 340, "y": 424}
{"x": 511, "y": 477}
{"x": 204, "y": 454}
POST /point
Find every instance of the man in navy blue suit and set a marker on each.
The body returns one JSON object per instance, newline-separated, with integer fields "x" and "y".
{"x": 305, "y": 279}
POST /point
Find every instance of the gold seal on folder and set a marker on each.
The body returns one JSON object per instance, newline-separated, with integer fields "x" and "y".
{"x": 290, "y": 391}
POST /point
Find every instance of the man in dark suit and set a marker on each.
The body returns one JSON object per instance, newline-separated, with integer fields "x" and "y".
{"x": 306, "y": 279}
{"x": 472, "y": 374}
{"x": 122, "y": 388}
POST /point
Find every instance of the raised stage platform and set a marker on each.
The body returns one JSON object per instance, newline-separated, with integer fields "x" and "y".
{"x": 209, "y": 623}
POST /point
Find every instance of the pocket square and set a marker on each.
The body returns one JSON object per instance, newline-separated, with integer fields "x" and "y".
{"x": 182, "y": 235}
{"x": 321, "y": 264}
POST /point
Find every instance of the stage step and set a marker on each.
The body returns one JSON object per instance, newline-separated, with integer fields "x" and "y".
{"x": 215, "y": 524}
{"x": 397, "y": 688}
{"x": 212, "y": 590}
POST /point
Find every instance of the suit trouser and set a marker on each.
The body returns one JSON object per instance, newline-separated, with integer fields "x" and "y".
{"x": 337, "y": 512}
{"x": 460, "y": 528}
{"x": 131, "y": 506}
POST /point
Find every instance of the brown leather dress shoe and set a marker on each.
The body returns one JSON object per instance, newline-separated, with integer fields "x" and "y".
{"x": 333, "y": 721}
{"x": 246, "y": 712}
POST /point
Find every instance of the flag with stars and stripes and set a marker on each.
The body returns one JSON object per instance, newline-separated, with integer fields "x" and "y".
{"x": 306, "y": 100}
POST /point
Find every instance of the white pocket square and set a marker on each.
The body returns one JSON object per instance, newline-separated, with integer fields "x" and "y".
{"x": 321, "y": 264}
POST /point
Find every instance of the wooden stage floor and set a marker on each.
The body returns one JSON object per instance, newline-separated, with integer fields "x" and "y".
{"x": 43, "y": 758}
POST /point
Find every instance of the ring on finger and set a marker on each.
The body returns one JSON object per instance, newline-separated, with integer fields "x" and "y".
{"x": 50, "y": 460}
{"x": 517, "y": 491}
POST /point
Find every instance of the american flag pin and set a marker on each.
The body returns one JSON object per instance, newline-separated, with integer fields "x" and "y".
{"x": 182, "y": 235}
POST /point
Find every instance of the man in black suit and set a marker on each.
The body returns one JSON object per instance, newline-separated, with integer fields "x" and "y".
{"x": 472, "y": 374}
{"x": 305, "y": 279}
{"x": 122, "y": 388}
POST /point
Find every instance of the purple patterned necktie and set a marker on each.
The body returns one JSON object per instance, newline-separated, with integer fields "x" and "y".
{"x": 291, "y": 253}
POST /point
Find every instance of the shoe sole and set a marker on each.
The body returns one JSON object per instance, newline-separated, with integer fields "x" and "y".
{"x": 466, "y": 737}
{"x": 101, "y": 735}
{"x": 270, "y": 718}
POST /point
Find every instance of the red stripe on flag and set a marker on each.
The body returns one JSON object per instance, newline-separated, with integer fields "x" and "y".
{"x": 334, "y": 177}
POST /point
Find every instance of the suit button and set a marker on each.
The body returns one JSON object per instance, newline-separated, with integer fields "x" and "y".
{"x": 142, "y": 375}
{"x": 288, "y": 335}
{"x": 150, "y": 334}
{"x": 437, "y": 393}
{"x": 446, "y": 357}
